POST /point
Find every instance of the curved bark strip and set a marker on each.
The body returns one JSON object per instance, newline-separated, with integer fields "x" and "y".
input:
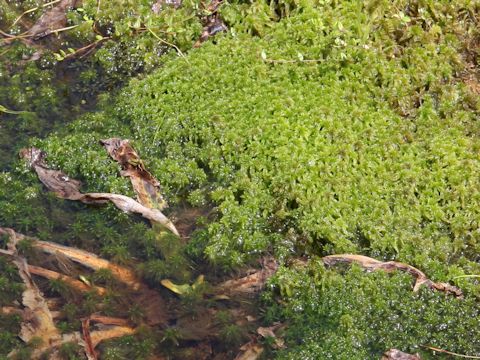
{"x": 371, "y": 264}
{"x": 144, "y": 184}
{"x": 66, "y": 188}
{"x": 74, "y": 283}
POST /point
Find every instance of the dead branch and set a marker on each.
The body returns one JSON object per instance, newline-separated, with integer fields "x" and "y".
{"x": 67, "y": 188}
{"x": 451, "y": 353}
{"x": 89, "y": 348}
{"x": 371, "y": 264}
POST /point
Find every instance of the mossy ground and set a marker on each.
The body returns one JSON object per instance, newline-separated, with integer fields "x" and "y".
{"x": 345, "y": 127}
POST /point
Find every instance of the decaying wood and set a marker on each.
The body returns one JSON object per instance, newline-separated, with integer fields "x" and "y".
{"x": 74, "y": 283}
{"x": 146, "y": 187}
{"x": 371, "y": 264}
{"x": 251, "y": 284}
{"x": 67, "y": 188}
{"x": 394, "y": 354}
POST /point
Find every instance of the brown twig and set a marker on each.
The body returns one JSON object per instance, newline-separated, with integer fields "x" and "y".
{"x": 371, "y": 264}
{"x": 451, "y": 353}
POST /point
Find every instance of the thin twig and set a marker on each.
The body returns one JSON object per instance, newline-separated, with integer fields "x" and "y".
{"x": 32, "y": 10}
{"x": 87, "y": 47}
{"x": 451, "y": 353}
{"x": 169, "y": 44}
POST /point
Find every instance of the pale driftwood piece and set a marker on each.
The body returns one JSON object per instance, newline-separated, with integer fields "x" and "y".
{"x": 394, "y": 354}
{"x": 371, "y": 264}
{"x": 66, "y": 188}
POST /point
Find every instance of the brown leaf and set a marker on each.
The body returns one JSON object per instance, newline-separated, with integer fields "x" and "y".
{"x": 144, "y": 184}
{"x": 394, "y": 354}
{"x": 66, "y": 188}
{"x": 371, "y": 264}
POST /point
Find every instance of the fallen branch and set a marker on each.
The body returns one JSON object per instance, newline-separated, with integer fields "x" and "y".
{"x": 371, "y": 264}
{"x": 67, "y": 188}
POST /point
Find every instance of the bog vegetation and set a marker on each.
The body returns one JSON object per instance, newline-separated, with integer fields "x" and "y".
{"x": 310, "y": 128}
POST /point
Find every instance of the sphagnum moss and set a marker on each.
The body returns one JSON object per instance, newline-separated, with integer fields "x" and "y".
{"x": 345, "y": 127}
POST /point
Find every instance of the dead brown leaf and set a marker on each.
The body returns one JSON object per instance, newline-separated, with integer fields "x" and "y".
{"x": 144, "y": 184}
{"x": 51, "y": 20}
{"x": 250, "y": 351}
{"x": 66, "y": 188}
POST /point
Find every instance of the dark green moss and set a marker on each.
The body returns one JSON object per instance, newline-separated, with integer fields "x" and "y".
{"x": 357, "y": 315}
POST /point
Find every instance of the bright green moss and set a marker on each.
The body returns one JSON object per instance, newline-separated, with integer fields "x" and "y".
{"x": 368, "y": 149}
